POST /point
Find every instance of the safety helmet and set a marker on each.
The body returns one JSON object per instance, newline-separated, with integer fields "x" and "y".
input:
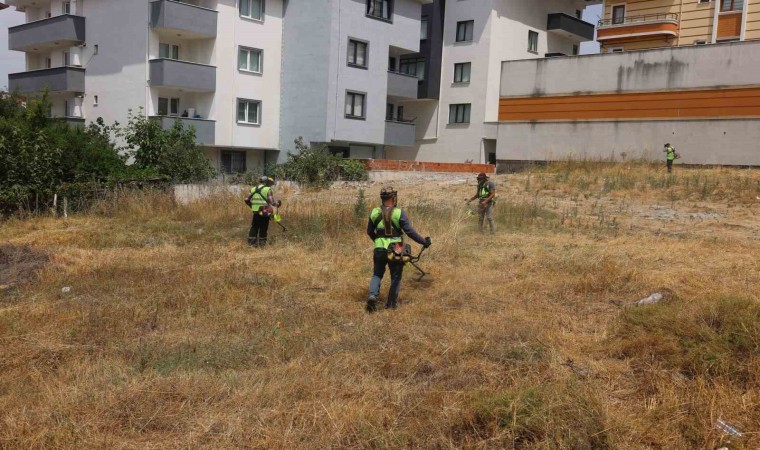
{"x": 482, "y": 176}
{"x": 388, "y": 192}
{"x": 266, "y": 180}
{"x": 667, "y": 145}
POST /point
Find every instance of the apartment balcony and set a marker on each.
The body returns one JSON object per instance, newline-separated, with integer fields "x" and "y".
{"x": 570, "y": 27}
{"x": 633, "y": 28}
{"x": 205, "y": 130}
{"x": 185, "y": 75}
{"x": 55, "y": 32}
{"x": 58, "y": 79}
{"x": 72, "y": 121}
{"x": 188, "y": 21}
{"x": 399, "y": 133}
{"x": 401, "y": 85}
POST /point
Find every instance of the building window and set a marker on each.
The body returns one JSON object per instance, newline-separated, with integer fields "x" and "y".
{"x": 249, "y": 111}
{"x": 578, "y": 14}
{"x": 380, "y": 9}
{"x": 355, "y": 105}
{"x": 168, "y": 51}
{"x": 232, "y": 162}
{"x": 731, "y": 5}
{"x": 533, "y": 41}
{"x": 168, "y": 106}
{"x": 459, "y": 113}
{"x": 67, "y": 58}
{"x": 576, "y": 50}
{"x": 414, "y": 67}
{"x": 462, "y": 72}
{"x": 424, "y": 28}
{"x": 618, "y": 14}
{"x": 389, "y": 110}
{"x": 464, "y": 30}
{"x": 48, "y": 62}
{"x": 66, "y": 8}
{"x": 249, "y": 59}
{"x": 357, "y": 53}
{"x": 252, "y": 9}
{"x": 615, "y": 50}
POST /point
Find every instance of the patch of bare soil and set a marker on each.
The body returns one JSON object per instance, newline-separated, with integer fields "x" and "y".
{"x": 19, "y": 264}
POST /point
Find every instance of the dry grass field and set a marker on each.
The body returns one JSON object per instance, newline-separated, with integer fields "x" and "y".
{"x": 175, "y": 334}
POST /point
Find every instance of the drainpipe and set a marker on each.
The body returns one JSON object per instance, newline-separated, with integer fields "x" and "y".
{"x": 716, "y": 15}
{"x": 744, "y": 21}
{"x": 680, "y": 21}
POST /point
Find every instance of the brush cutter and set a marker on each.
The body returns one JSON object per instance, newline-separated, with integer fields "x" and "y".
{"x": 403, "y": 253}
{"x": 278, "y": 219}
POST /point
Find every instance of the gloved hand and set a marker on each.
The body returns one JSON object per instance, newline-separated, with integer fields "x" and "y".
{"x": 428, "y": 242}
{"x": 278, "y": 203}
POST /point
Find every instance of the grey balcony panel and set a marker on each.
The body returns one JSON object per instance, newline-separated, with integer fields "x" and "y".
{"x": 58, "y": 31}
{"x": 399, "y": 134}
{"x": 205, "y": 130}
{"x": 58, "y": 79}
{"x": 194, "y": 21}
{"x": 402, "y": 85}
{"x": 182, "y": 75}
{"x": 72, "y": 121}
{"x": 570, "y": 26}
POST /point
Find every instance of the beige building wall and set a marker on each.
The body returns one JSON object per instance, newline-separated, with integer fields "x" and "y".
{"x": 628, "y": 105}
{"x": 696, "y": 22}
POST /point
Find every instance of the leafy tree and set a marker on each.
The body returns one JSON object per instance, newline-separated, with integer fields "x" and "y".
{"x": 315, "y": 165}
{"x": 172, "y": 153}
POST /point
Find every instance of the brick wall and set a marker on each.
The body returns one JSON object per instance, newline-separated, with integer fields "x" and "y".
{"x": 419, "y": 166}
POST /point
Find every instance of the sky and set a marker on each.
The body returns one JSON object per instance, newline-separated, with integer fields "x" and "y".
{"x": 11, "y": 62}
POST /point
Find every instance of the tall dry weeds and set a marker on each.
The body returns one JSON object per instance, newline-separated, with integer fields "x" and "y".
{"x": 175, "y": 334}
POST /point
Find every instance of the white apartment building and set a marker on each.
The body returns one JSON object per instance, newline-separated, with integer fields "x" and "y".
{"x": 457, "y": 122}
{"x": 249, "y": 75}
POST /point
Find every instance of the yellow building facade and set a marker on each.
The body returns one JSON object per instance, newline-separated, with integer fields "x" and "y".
{"x": 645, "y": 24}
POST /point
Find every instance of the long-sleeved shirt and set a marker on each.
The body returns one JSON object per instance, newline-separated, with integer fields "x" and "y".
{"x": 406, "y": 226}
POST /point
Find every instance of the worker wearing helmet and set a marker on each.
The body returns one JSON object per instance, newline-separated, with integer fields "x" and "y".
{"x": 386, "y": 227}
{"x": 261, "y": 200}
{"x": 485, "y": 196}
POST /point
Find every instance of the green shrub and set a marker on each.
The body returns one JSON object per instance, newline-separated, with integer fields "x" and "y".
{"x": 315, "y": 166}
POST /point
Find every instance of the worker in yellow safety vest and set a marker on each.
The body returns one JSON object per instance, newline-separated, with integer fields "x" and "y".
{"x": 485, "y": 195}
{"x": 262, "y": 203}
{"x": 386, "y": 227}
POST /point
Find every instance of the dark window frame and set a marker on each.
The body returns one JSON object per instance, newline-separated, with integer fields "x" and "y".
{"x": 354, "y": 95}
{"x": 228, "y": 164}
{"x": 356, "y": 52}
{"x": 459, "y": 72}
{"x": 382, "y": 14}
{"x": 462, "y": 31}
{"x": 461, "y": 112}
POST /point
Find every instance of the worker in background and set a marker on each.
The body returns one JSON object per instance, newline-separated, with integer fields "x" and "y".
{"x": 485, "y": 195}
{"x": 670, "y": 154}
{"x": 386, "y": 227}
{"x": 262, "y": 203}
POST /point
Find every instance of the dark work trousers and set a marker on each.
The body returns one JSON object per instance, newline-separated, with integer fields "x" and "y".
{"x": 396, "y": 269}
{"x": 259, "y": 230}
{"x": 670, "y": 165}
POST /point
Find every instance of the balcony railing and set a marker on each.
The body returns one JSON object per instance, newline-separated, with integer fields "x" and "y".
{"x": 58, "y": 31}
{"x": 190, "y": 20}
{"x": 632, "y": 20}
{"x": 57, "y": 79}
{"x": 400, "y": 133}
{"x": 402, "y": 85}
{"x": 205, "y": 130}
{"x": 570, "y": 26}
{"x": 182, "y": 75}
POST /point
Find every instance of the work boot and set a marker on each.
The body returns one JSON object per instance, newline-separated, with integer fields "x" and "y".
{"x": 391, "y": 304}
{"x": 371, "y": 304}
{"x": 252, "y": 242}
{"x": 262, "y": 242}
